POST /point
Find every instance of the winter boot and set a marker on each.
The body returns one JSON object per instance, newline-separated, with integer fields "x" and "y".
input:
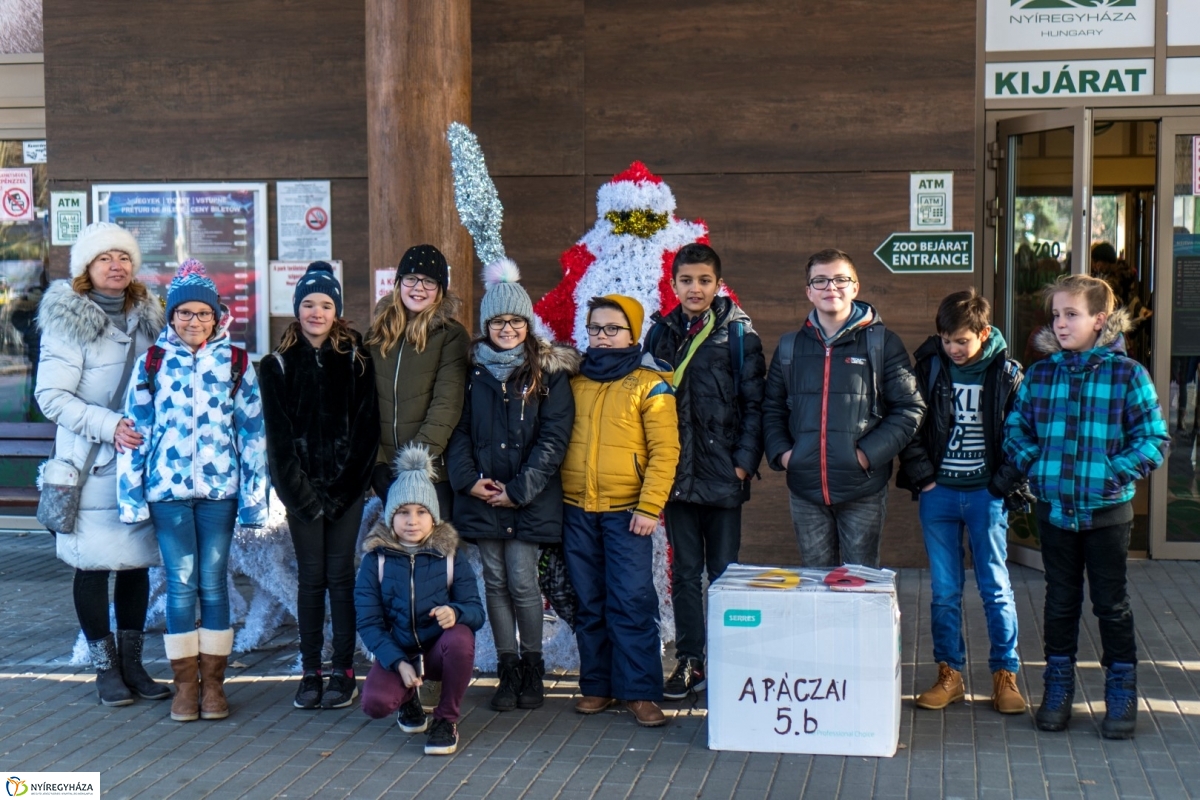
{"x": 215, "y": 647}
{"x": 183, "y": 649}
{"x": 509, "y": 672}
{"x": 947, "y": 689}
{"x": 1059, "y": 677}
{"x": 129, "y": 648}
{"x": 1006, "y": 697}
{"x": 1120, "y": 699}
{"x": 533, "y": 693}
{"x": 110, "y": 687}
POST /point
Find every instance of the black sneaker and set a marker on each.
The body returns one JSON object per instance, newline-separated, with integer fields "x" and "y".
{"x": 688, "y": 677}
{"x": 411, "y": 716}
{"x": 340, "y": 691}
{"x": 443, "y": 738}
{"x": 308, "y": 696}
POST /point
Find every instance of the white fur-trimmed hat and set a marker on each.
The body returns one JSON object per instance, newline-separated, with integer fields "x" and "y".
{"x": 635, "y": 188}
{"x": 100, "y": 237}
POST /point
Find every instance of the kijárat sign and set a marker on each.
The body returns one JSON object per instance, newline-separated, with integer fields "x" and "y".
{"x": 1102, "y": 78}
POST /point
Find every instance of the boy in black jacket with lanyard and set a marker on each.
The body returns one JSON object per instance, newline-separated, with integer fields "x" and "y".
{"x": 957, "y": 468}
{"x": 718, "y": 381}
{"x": 841, "y": 403}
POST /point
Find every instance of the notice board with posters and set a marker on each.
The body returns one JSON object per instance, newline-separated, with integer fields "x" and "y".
{"x": 222, "y": 225}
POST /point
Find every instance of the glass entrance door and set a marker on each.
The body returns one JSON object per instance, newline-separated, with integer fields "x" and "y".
{"x": 1175, "y": 495}
{"x": 1043, "y": 189}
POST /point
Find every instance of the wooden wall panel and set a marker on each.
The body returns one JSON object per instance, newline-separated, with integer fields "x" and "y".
{"x": 205, "y": 90}
{"x": 780, "y": 85}
{"x": 527, "y": 104}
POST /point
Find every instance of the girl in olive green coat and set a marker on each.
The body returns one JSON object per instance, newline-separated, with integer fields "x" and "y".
{"x": 420, "y": 355}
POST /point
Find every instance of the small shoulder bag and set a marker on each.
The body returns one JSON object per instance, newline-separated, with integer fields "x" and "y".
{"x": 61, "y": 482}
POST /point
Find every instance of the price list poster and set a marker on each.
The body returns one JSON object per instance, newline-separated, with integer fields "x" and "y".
{"x": 223, "y": 225}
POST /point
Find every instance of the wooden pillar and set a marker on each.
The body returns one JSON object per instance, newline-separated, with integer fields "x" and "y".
{"x": 418, "y": 82}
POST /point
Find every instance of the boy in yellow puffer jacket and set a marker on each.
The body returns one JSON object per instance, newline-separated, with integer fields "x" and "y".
{"x": 618, "y": 471}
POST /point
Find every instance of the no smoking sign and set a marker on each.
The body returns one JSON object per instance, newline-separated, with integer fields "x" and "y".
{"x": 16, "y": 195}
{"x": 316, "y": 218}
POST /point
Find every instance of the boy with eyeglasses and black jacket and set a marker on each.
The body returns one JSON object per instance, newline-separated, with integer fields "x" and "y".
{"x": 841, "y": 403}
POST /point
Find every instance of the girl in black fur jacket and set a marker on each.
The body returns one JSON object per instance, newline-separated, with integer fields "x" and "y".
{"x": 322, "y": 415}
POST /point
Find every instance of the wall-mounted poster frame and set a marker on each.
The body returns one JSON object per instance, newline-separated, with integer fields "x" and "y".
{"x": 223, "y": 225}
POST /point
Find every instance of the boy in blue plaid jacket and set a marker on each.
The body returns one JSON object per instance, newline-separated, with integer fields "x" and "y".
{"x": 1086, "y": 425}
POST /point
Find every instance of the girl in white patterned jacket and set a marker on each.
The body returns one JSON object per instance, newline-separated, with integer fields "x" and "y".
{"x": 201, "y": 466}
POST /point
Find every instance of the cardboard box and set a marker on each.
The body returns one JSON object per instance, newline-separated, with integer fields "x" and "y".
{"x": 798, "y": 668}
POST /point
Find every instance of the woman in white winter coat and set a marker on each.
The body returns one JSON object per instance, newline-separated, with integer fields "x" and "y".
{"x": 89, "y": 324}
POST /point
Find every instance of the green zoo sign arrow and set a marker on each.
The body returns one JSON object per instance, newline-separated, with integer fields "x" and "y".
{"x": 928, "y": 252}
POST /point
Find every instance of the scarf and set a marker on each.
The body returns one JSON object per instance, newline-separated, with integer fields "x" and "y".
{"x": 858, "y": 313}
{"x": 501, "y": 363}
{"x": 605, "y": 364}
{"x": 994, "y": 345}
{"x": 113, "y": 307}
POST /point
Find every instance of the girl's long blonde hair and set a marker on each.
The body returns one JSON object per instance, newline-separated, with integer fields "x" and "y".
{"x": 135, "y": 293}
{"x": 395, "y": 322}
{"x": 341, "y": 338}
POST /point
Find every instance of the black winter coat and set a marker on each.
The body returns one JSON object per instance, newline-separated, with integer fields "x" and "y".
{"x": 518, "y": 442}
{"x": 830, "y": 409}
{"x": 922, "y": 458}
{"x": 322, "y": 419}
{"x": 718, "y": 431}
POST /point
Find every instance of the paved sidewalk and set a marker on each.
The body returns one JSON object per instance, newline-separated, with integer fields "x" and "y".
{"x": 50, "y": 720}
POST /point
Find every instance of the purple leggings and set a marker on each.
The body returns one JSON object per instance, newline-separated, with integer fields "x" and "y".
{"x": 450, "y": 660}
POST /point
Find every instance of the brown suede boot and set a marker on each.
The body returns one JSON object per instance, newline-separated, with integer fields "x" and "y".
{"x": 183, "y": 651}
{"x": 948, "y": 689}
{"x": 1006, "y": 697}
{"x": 215, "y": 647}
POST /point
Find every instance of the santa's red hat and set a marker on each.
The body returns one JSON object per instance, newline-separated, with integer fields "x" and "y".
{"x": 635, "y": 188}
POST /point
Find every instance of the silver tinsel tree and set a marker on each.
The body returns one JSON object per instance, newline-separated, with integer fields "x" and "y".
{"x": 475, "y": 194}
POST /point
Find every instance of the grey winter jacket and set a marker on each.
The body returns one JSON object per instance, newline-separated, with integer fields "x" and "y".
{"x": 82, "y": 362}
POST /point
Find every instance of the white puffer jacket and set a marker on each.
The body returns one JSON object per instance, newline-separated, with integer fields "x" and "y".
{"x": 82, "y": 362}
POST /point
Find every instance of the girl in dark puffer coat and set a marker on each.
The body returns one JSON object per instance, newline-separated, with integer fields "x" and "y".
{"x": 322, "y": 417}
{"x": 504, "y": 460}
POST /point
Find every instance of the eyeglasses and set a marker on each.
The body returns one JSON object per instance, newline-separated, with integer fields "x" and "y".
{"x": 411, "y": 281}
{"x": 609, "y": 330}
{"x": 188, "y": 316}
{"x": 839, "y": 282}
{"x": 517, "y": 324}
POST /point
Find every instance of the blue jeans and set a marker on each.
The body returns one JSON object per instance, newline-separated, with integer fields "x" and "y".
{"x": 616, "y": 626}
{"x": 944, "y": 514}
{"x": 194, "y": 537}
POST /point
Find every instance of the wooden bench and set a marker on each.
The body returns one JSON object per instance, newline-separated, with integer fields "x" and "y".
{"x": 24, "y": 440}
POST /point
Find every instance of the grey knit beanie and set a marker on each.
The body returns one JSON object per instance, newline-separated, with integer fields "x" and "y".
{"x": 503, "y": 293}
{"x": 413, "y": 484}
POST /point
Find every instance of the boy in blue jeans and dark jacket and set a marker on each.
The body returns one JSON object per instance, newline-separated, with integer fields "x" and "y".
{"x": 1086, "y": 425}
{"x": 957, "y": 468}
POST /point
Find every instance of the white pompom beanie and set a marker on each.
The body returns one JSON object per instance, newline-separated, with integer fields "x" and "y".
{"x": 100, "y": 237}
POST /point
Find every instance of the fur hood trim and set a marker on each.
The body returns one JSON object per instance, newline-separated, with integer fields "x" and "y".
{"x": 552, "y": 356}
{"x": 66, "y": 314}
{"x": 443, "y": 541}
{"x": 1118, "y": 323}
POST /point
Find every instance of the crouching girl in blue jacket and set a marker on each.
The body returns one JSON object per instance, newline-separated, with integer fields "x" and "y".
{"x": 418, "y": 607}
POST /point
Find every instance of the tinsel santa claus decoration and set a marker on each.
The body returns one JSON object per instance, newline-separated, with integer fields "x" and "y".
{"x": 628, "y": 251}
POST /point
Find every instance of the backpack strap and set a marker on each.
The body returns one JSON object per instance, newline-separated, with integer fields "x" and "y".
{"x": 935, "y": 368}
{"x": 653, "y": 336}
{"x": 787, "y": 348}
{"x": 237, "y": 368}
{"x": 154, "y": 359}
{"x": 737, "y": 356}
